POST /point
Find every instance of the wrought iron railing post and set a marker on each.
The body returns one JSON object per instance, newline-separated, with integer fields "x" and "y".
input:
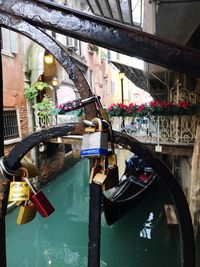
{"x": 158, "y": 131}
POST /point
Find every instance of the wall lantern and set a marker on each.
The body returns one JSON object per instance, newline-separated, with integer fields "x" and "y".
{"x": 54, "y": 82}
{"x": 48, "y": 58}
{"x": 121, "y": 75}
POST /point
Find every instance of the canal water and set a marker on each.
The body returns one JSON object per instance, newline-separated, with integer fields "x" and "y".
{"x": 139, "y": 239}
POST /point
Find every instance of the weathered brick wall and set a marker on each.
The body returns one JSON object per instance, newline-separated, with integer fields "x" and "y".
{"x": 23, "y": 121}
{"x": 13, "y": 90}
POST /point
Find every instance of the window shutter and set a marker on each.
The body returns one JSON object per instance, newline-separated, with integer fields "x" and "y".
{"x": 13, "y": 42}
{"x": 6, "y": 40}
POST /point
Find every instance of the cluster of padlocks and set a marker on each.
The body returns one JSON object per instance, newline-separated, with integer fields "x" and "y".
{"x": 104, "y": 169}
{"x": 29, "y": 200}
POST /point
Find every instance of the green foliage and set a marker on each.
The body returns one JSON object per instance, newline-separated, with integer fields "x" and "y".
{"x": 32, "y": 91}
{"x": 45, "y": 107}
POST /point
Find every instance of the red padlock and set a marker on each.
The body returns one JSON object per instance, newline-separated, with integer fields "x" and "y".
{"x": 40, "y": 201}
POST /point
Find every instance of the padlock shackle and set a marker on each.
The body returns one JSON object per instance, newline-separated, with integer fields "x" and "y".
{"x": 89, "y": 123}
{"x": 98, "y": 123}
{"x": 5, "y": 170}
{"x": 30, "y": 185}
{"x": 111, "y": 136}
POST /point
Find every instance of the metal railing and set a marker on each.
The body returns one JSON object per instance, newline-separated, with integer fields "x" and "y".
{"x": 160, "y": 129}
{"x": 52, "y": 120}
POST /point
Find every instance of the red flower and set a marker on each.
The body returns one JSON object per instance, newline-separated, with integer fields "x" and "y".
{"x": 141, "y": 108}
{"x": 154, "y": 103}
{"x": 165, "y": 104}
{"x": 184, "y": 104}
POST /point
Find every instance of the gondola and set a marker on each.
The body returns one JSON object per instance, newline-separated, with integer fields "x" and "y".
{"x": 138, "y": 179}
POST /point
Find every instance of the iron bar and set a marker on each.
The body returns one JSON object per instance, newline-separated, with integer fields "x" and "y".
{"x": 119, "y": 10}
{"x": 109, "y": 9}
{"x": 99, "y": 7}
{"x": 95, "y": 199}
{"x": 156, "y": 77}
{"x": 106, "y": 33}
{"x": 130, "y": 11}
{"x": 90, "y": 6}
{"x": 2, "y": 214}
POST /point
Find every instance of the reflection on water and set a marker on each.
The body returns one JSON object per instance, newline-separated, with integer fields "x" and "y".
{"x": 141, "y": 238}
{"x": 146, "y": 231}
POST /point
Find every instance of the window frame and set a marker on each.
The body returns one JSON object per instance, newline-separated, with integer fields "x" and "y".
{"x": 18, "y": 139}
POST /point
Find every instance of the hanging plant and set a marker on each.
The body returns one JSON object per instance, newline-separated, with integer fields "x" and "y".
{"x": 45, "y": 108}
{"x": 32, "y": 91}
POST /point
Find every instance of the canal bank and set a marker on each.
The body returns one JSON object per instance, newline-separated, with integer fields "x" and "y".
{"x": 141, "y": 238}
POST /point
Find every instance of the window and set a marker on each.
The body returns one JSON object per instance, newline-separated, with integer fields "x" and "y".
{"x": 9, "y": 44}
{"x": 90, "y": 79}
{"x": 106, "y": 87}
{"x": 11, "y": 126}
{"x": 112, "y": 88}
{"x": 74, "y": 45}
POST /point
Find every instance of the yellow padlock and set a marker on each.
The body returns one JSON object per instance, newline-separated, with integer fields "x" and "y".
{"x": 27, "y": 212}
{"x": 27, "y": 163}
{"x": 19, "y": 191}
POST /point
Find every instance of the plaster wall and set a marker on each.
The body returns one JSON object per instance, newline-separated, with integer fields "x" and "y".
{"x": 185, "y": 174}
{"x": 13, "y": 86}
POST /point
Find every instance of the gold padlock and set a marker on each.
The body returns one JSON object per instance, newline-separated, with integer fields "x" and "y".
{"x": 112, "y": 177}
{"x": 112, "y": 171}
{"x": 27, "y": 163}
{"x": 99, "y": 178}
{"x": 19, "y": 191}
{"x": 27, "y": 212}
{"x": 112, "y": 158}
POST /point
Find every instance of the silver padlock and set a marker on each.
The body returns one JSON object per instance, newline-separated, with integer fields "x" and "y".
{"x": 95, "y": 144}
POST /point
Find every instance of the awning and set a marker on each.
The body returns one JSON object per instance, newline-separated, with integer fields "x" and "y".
{"x": 127, "y": 11}
{"x": 135, "y": 75}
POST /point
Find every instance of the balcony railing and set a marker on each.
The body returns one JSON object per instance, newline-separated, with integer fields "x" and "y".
{"x": 50, "y": 120}
{"x": 160, "y": 129}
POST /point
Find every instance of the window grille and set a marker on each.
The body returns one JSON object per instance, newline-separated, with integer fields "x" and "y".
{"x": 11, "y": 129}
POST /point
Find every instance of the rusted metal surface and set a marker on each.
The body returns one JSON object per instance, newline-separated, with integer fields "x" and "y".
{"x": 105, "y": 33}
{"x": 50, "y": 44}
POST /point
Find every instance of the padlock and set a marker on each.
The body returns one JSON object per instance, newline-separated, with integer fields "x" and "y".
{"x": 112, "y": 177}
{"x": 99, "y": 178}
{"x": 103, "y": 113}
{"x": 112, "y": 171}
{"x": 40, "y": 201}
{"x": 27, "y": 163}
{"x": 27, "y": 212}
{"x": 95, "y": 144}
{"x": 19, "y": 191}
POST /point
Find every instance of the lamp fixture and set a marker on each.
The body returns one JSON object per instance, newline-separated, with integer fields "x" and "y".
{"x": 121, "y": 75}
{"x": 48, "y": 58}
{"x": 54, "y": 82}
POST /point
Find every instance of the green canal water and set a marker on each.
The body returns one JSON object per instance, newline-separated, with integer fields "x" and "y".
{"x": 140, "y": 239}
